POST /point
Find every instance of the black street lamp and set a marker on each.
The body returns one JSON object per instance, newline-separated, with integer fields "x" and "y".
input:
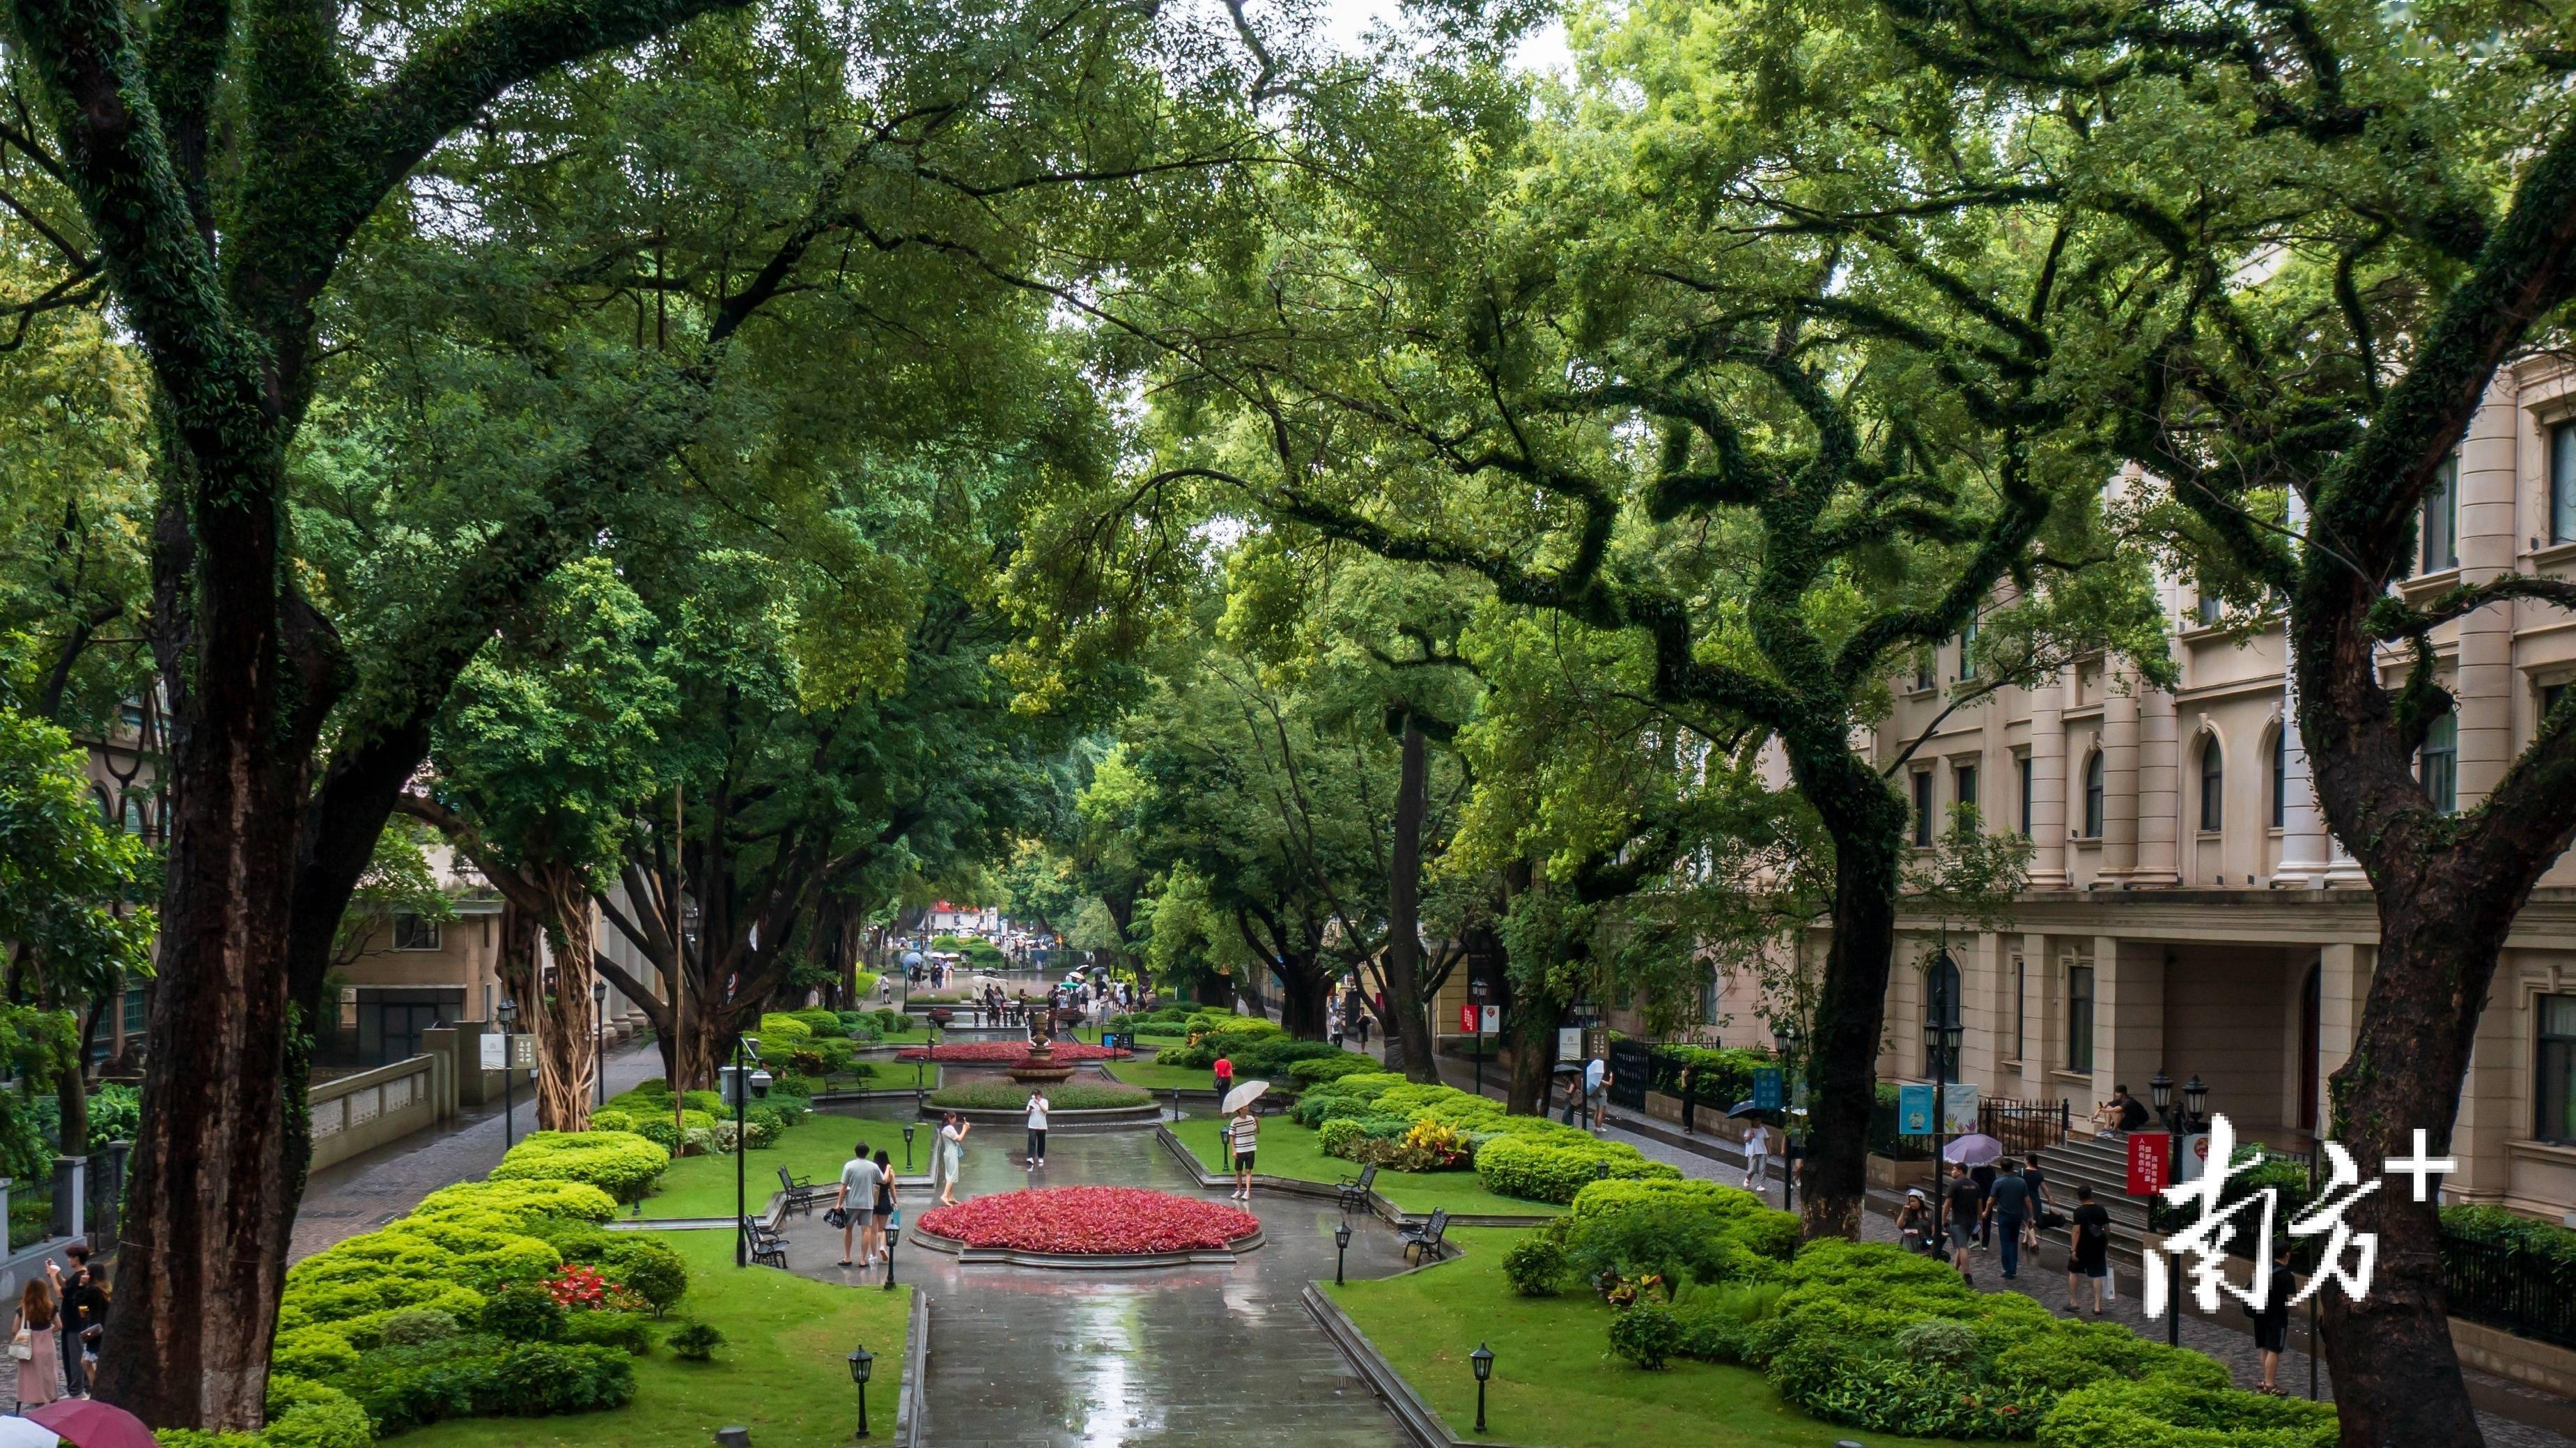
{"x": 1785, "y": 1039}
{"x": 599, "y": 1036}
{"x": 894, "y": 1231}
{"x": 741, "y": 1087}
{"x": 862, "y": 1363}
{"x": 506, "y": 1012}
{"x": 1941, "y": 1039}
{"x": 1483, "y": 1358}
{"x": 2180, "y": 1122}
{"x": 1341, "y": 1246}
{"x": 907, "y": 1146}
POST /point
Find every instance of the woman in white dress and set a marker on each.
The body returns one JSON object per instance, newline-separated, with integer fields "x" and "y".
{"x": 950, "y": 1157}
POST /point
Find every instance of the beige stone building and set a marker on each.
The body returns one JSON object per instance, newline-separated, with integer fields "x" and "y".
{"x": 2188, "y": 911}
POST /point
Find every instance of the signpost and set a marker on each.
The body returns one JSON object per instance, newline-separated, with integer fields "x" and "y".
{"x": 1914, "y": 1110}
{"x": 2149, "y": 1151}
{"x": 2195, "y": 1156}
{"x": 1767, "y": 1092}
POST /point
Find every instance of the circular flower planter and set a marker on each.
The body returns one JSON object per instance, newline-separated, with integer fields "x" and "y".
{"x": 1005, "y": 1053}
{"x": 1089, "y": 1227}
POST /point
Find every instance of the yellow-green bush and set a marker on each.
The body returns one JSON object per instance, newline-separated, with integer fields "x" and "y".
{"x": 2157, "y": 1414}
{"x": 619, "y": 1163}
{"x": 1536, "y": 1171}
{"x": 522, "y": 1200}
{"x": 783, "y": 1029}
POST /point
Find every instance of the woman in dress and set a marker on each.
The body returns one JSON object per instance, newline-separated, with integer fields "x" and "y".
{"x": 40, "y": 1373}
{"x": 952, "y": 1156}
{"x": 882, "y": 1210}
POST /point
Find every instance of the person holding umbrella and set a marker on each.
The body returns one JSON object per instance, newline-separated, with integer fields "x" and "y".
{"x": 1243, "y": 1133}
{"x": 1757, "y": 1154}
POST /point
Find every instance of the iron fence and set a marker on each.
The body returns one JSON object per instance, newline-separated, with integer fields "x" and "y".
{"x": 2024, "y": 1127}
{"x": 2527, "y": 1293}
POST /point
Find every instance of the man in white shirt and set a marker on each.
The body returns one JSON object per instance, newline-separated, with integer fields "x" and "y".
{"x": 1757, "y": 1154}
{"x": 1037, "y": 1127}
{"x": 858, "y": 1199}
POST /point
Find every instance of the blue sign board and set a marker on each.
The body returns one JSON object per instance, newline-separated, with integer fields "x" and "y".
{"x": 1914, "y": 1111}
{"x": 1766, "y": 1088}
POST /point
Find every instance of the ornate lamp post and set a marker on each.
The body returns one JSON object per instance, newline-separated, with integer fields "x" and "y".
{"x": 894, "y": 1231}
{"x": 862, "y": 1363}
{"x": 1785, "y": 1038}
{"x": 907, "y": 1145}
{"x": 1941, "y": 1039}
{"x": 1341, "y": 1246}
{"x": 2180, "y": 1121}
{"x": 740, "y": 1086}
{"x": 1483, "y": 1358}
{"x": 506, "y": 1013}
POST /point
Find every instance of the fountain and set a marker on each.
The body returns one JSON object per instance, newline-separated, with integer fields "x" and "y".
{"x": 1039, "y": 1066}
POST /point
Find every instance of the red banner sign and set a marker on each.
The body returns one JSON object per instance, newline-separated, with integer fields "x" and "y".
{"x": 1467, "y": 1020}
{"x": 2150, "y": 1156}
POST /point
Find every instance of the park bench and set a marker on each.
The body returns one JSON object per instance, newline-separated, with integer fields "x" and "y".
{"x": 1355, "y": 1190}
{"x": 801, "y": 1192}
{"x": 767, "y": 1247}
{"x": 1426, "y": 1237}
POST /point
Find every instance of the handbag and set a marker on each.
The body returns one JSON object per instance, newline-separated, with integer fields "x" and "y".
{"x": 22, "y": 1346}
{"x": 836, "y": 1217}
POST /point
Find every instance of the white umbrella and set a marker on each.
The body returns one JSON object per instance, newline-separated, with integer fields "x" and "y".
{"x": 1244, "y": 1095}
{"x": 1975, "y": 1149}
{"x": 20, "y": 1433}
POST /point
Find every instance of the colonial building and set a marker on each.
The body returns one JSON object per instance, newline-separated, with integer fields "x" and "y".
{"x": 2187, "y": 909}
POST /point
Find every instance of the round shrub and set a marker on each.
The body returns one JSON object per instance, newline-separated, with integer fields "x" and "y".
{"x": 1515, "y": 1167}
{"x": 525, "y": 1313}
{"x": 306, "y": 1414}
{"x": 624, "y": 1331}
{"x": 651, "y": 1271}
{"x": 522, "y": 1199}
{"x": 1645, "y": 1334}
{"x": 2162, "y": 1415}
{"x": 696, "y": 1341}
{"x": 2078, "y": 1354}
{"x": 784, "y": 1030}
{"x": 413, "y": 1326}
{"x": 619, "y": 1163}
{"x": 1315, "y": 1070}
{"x": 1535, "y": 1266}
{"x": 612, "y": 1121}
{"x": 312, "y": 1352}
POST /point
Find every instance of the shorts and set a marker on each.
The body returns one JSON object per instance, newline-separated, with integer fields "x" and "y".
{"x": 1962, "y": 1235}
{"x": 2100, "y": 1267}
{"x": 1243, "y": 1161}
{"x": 2272, "y": 1336}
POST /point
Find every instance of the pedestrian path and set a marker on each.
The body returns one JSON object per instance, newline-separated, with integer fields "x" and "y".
{"x": 373, "y": 1188}
{"x": 1025, "y": 1357}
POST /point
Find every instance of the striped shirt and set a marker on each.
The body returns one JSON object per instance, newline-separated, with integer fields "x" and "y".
{"x": 1243, "y": 1132}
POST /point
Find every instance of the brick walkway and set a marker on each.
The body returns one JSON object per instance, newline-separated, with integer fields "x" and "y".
{"x": 372, "y": 1188}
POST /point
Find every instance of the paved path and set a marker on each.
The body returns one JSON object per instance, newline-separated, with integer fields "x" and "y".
{"x": 374, "y": 1187}
{"x": 1026, "y": 1357}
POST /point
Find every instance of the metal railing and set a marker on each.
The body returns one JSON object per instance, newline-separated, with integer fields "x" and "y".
{"x": 2024, "y": 1127}
{"x": 2527, "y": 1293}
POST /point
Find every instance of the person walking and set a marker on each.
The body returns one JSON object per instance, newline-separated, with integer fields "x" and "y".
{"x": 1596, "y": 1095}
{"x": 84, "y": 1315}
{"x": 1757, "y": 1155}
{"x": 1985, "y": 1176}
{"x": 860, "y": 1179}
{"x": 2008, "y": 1207}
{"x": 2088, "y": 1258}
{"x": 1963, "y": 1207}
{"x": 1243, "y": 1134}
{"x": 1914, "y": 1221}
{"x": 952, "y": 1156}
{"x": 2272, "y": 1324}
{"x": 1224, "y": 1071}
{"x": 1037, "y": 1126}
{"x": 33, "y": 1341}
{"x": 881, "y": 1211}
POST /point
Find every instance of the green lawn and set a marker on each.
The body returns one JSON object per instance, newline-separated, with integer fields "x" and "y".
{"x": 1290, "y": 1150}
{"x": 703, "y": 1186}
{"x": 783, "y": 1372}
{"x": 1555, "y": 1381}
{"x": 1163, "y": 1078}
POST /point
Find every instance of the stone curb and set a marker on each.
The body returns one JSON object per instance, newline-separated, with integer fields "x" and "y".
{"x": 1097, "y": 1118}
{"x": 916, "y": 1360}
{"x": 1298, "y": 1187}
{"x": 1106, "y": 1261}
{"x": 1418, "y": 1419}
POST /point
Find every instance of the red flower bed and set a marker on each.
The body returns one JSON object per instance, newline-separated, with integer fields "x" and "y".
{"x": 1006, "y": 1053}
{"x": 1079, "y": 1220}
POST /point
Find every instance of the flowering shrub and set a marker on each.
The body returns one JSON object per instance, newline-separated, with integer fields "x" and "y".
{"x": 1088, "y": 1220}
{"x": 1005, "y": 1053}
{"x": 577, "y": 1288}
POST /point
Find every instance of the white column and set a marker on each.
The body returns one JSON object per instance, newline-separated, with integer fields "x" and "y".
{"x": 2120, "y": 775}
{"x": 2485, "y": 685}
{"x": 2310, "y": 855}
{"x": 2159, "y": 790}
{"x": 2048, "y": 779}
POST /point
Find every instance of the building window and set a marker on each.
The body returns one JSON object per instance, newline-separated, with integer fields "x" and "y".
{"x": 2442, "y": 518}
{"x": 2556, "y": 1088}
{"x": 2213, "y": 783}
{"x": 2562, "y": 483}
{"x": 138, "y": 819}
{"x": 2550, "y": 694}
{"x": 2438, "y": 764}
{"x": 1968, "y": 650}
{"x": 1941, "y": 1003}
{"x": 1923, "y": 808}
{"x": 2079, "y": 1018}
{"x": 2281, "y": 778}
{"x": 137, "y": 1010}
{"x": 2021, "y": 1009}
{"x": 2208, "y": 609}
{"x": 1708, "y": 1000}
{"x": 2023, "y": 764}
{"x": 1927, "y": 669}
{"x": 414, "y": 932}
{"x": 2093, "y": 796}
{"x": 1966, "y": 778}
{"x": 106, "y": 803}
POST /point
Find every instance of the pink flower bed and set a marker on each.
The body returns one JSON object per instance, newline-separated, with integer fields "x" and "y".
{"x": 1006, "y": 1053}
{"x": 1083, "y": 1220}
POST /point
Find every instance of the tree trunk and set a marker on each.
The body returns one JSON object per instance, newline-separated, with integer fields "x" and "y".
{"x": 1530, "y": 1021}
{"x": 1867, "y": 823}
{"x": 1214, "y": 990}
{"x": 216, "y": 1171}
{"x": 1303, "y": 989}
{"x": 567, "y": 1038}
{"x": 1408, "y": 1042}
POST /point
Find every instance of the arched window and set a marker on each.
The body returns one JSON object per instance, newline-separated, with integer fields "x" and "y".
{"x": 2281, "y": 779}
{"x": 2093, "y": 796}
{"x": 137, "y": 818}
{"x": 1941, "y": 995}
{"x": 106, "y": 804}
{"x": 2213, "y": 782}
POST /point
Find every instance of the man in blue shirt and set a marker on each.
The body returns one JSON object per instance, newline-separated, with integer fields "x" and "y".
{"x": 2008, "y": 1201}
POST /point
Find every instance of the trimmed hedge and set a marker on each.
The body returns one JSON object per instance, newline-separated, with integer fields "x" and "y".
{"x": 1068, "y": 1096}
{"x": 1536, "y": 1171}
{"x": 2161, "y": 1415}
{"x": 620, "y": 1163}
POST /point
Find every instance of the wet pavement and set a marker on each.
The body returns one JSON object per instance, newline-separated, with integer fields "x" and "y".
{"x": 1168, "y": 1355}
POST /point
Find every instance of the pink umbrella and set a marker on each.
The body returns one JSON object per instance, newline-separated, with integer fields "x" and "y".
{"x": 95, "y": 1425}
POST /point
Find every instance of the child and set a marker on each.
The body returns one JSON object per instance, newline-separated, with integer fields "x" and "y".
{"x": 1243, "y": 1134}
